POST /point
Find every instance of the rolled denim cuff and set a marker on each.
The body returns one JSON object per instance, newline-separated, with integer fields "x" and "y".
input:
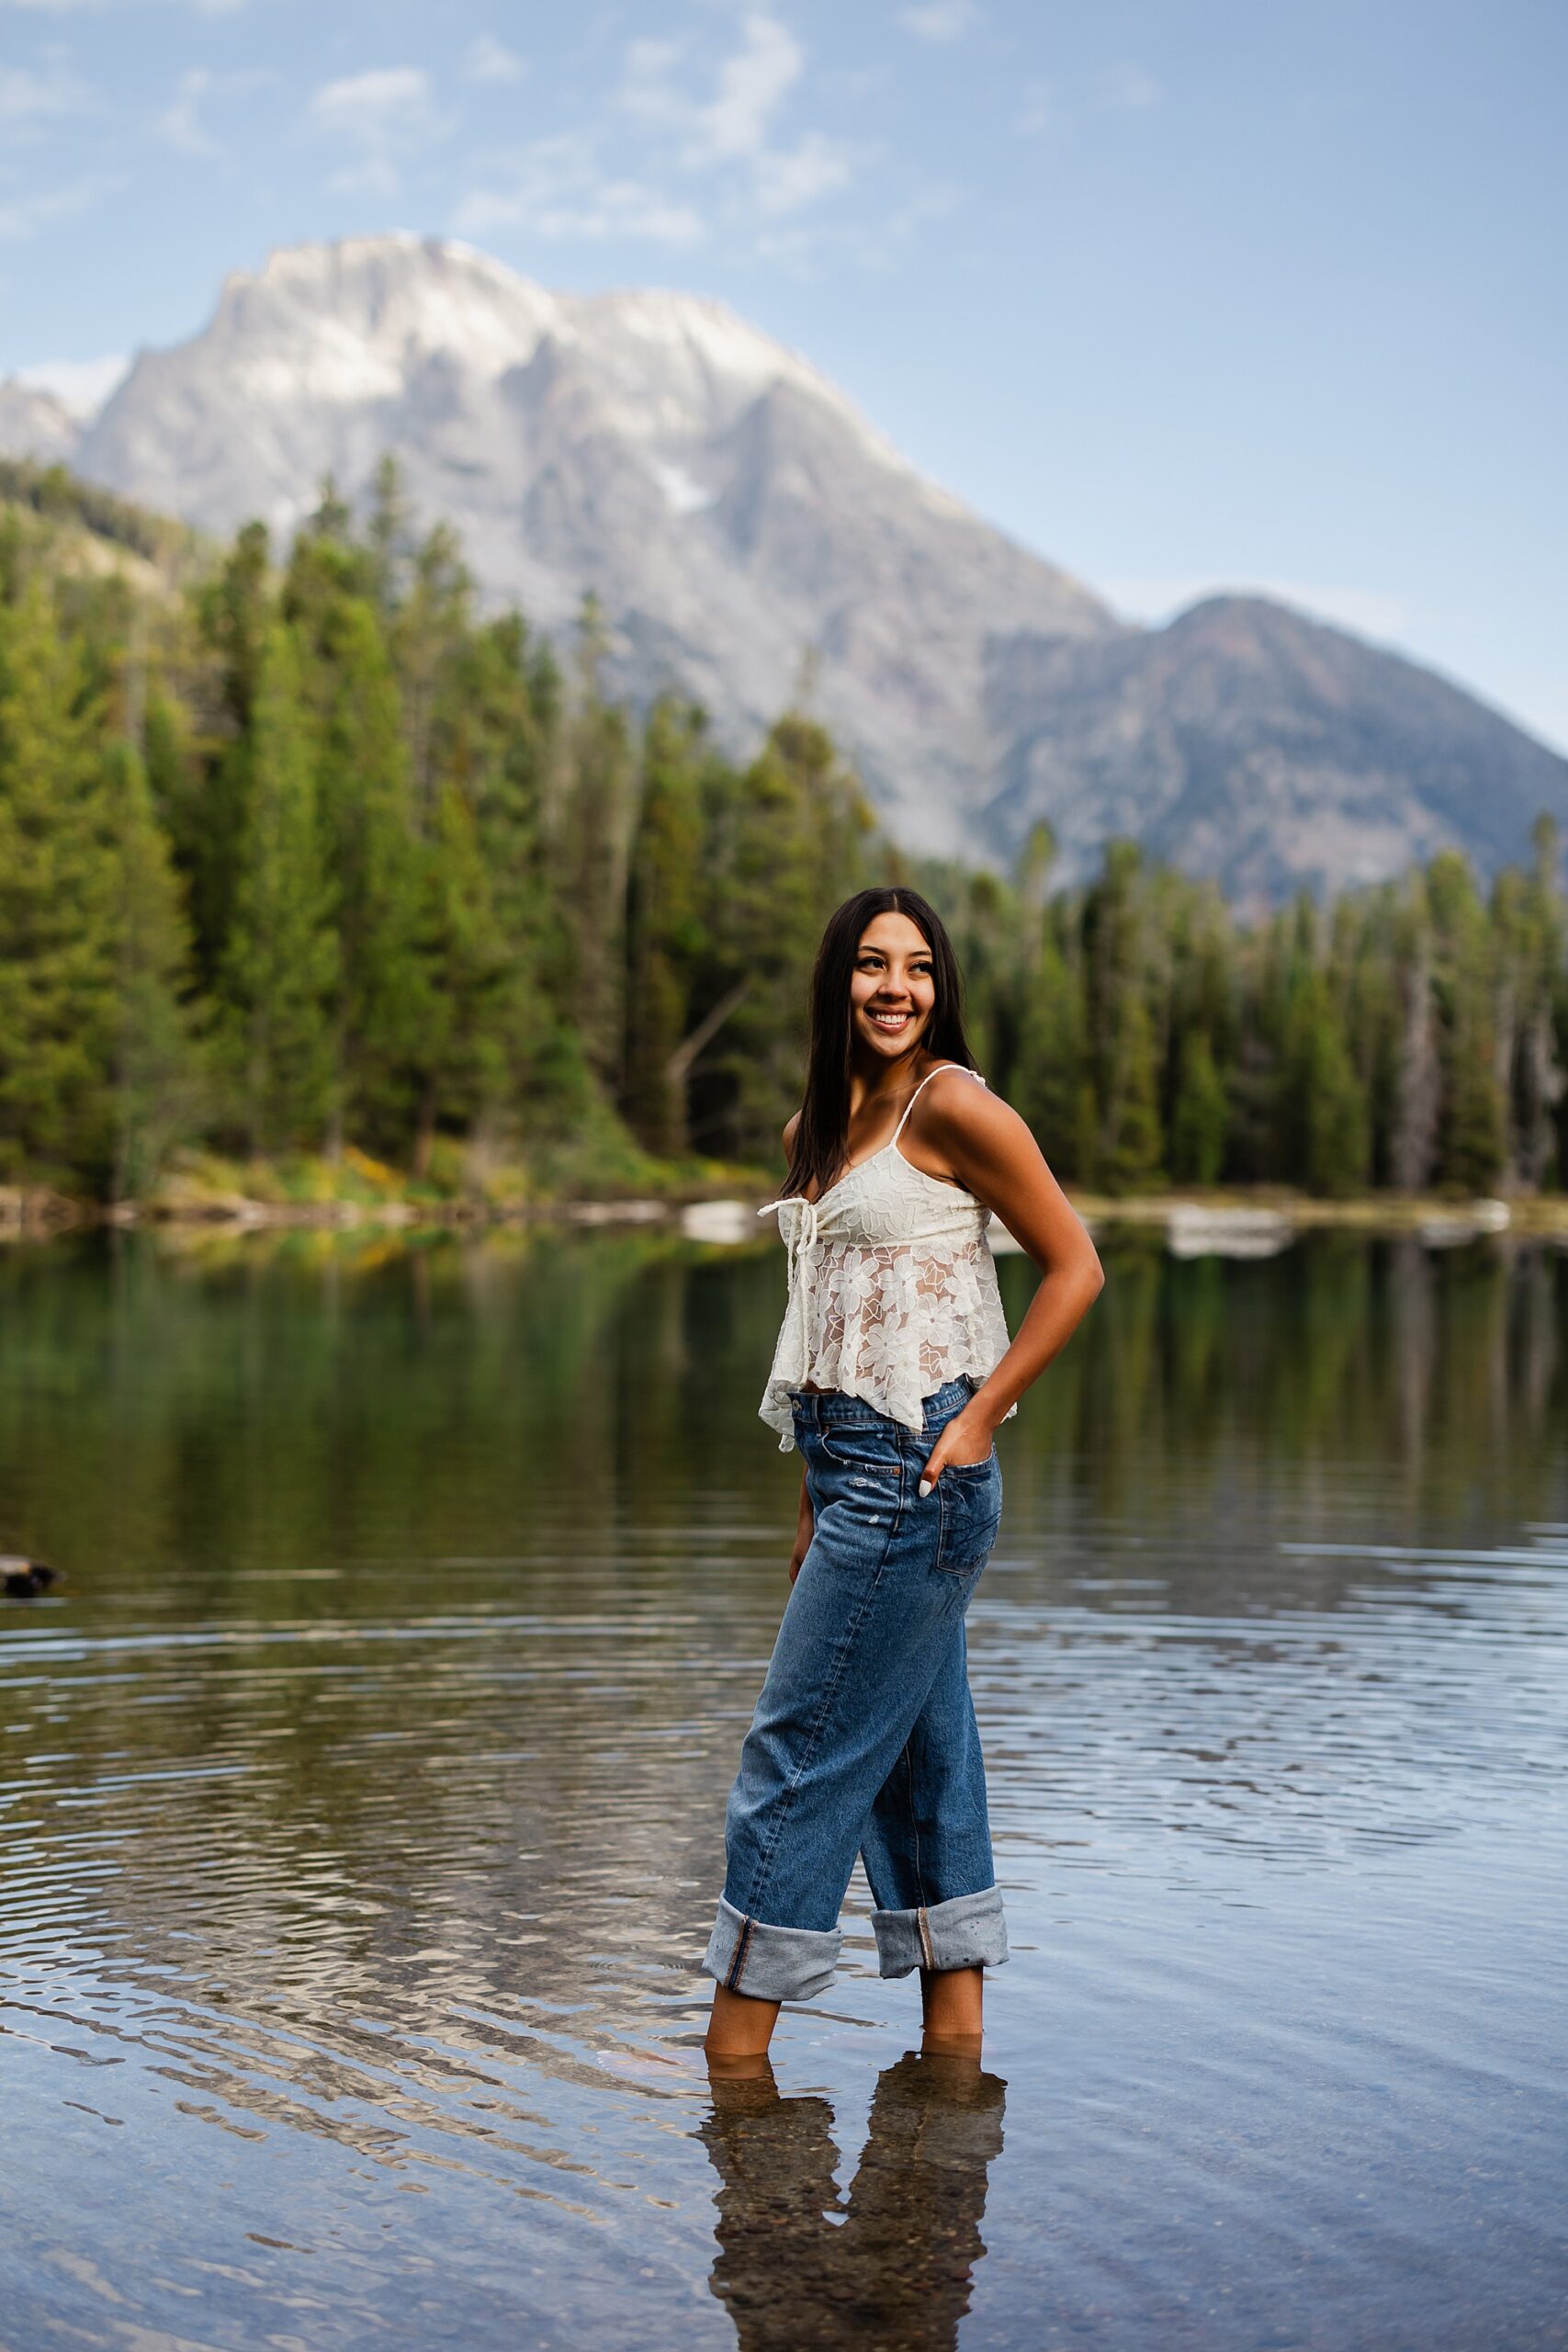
{"x": 967, "y": 1931}
{"x": 770, "y": 1963}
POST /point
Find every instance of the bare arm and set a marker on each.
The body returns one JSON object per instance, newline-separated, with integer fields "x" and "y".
{"x": 806, "y": 1518}
{"x": 991, "y": 1152}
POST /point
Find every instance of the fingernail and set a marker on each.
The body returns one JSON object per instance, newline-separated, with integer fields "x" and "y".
{"x": 925, "y": 1488}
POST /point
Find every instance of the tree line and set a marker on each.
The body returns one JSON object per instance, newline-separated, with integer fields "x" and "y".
{"x": 313, "y": 855}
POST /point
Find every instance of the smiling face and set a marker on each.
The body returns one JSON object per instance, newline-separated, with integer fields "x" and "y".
{"x": 891, "y": 989}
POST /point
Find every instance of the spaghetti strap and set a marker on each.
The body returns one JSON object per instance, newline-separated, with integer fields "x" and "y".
{"x": 926, "y": 1082}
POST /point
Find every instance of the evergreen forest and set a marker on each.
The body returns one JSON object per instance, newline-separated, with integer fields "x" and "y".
{"x": 307, "y": 862}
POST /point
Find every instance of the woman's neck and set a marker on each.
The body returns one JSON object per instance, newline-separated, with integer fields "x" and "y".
{"x": 888, "y": 1082}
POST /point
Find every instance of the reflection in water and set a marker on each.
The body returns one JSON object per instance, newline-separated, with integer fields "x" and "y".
{"x": 362, "y": 1788}
{"x": 894, "y": 2270}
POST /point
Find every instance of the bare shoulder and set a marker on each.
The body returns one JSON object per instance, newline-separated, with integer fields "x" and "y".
{"x": 958, "y": 1111}
{"x": 790, "y": 1126}
{"x": 982, "y": 1141}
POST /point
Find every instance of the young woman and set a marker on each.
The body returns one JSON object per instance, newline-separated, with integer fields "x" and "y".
{"x": 892, "y": 1369}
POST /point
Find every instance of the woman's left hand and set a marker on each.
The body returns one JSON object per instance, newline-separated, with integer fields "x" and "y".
{"x": 965, "y": 1441}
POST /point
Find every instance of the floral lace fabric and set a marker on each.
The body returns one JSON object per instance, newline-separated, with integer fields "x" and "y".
{"x": 892, "y": 1292}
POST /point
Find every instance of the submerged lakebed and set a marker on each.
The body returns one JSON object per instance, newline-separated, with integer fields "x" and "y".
{"x": 362, "y": 1787}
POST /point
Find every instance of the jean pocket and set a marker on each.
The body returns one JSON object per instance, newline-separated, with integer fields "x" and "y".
{"x": 852, "y": 1445}
{"x": 971, "y": 1497}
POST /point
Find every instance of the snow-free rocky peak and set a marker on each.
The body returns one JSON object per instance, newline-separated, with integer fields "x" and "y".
{"x": 735, "y": 513}
{"x": 36, "y": 423}
{"x": 731, "y": 508}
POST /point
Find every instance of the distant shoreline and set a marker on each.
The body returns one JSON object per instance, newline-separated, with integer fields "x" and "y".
{"x": 1235, "y": 1220}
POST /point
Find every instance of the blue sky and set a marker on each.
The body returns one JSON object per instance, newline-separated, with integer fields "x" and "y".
{"x": 1183, "y": 293}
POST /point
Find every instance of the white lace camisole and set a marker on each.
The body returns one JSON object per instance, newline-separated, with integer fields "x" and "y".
{"x": 892, "y": 1287}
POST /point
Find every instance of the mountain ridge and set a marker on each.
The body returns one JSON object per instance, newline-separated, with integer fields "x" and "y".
{"x": 1341, "y": 760}
{"x": 738, "y": 516}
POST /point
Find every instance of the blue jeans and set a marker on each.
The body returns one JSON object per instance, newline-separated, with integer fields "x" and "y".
{"x": 864, "y": 1735}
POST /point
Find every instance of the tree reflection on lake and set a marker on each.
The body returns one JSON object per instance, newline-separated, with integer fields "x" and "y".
{"x": 362, "y": 1789}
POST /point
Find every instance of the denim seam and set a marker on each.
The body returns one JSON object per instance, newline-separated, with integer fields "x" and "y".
{"x": 742, "y": 1942}
{"x": 914, "y": 1824}
{"x": 928, "y": 1952}
{"x": 841, "y": 1658}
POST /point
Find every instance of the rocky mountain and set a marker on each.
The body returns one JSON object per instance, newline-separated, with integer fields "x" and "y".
{"x": 34, "y": 423}
{"x": 731, "y": 509}
{"x": 743, "y": 524}
{"x": 1249, "y": 742}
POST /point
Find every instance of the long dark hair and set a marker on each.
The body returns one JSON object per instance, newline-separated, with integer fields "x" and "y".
{"x": 822, "y": 1129}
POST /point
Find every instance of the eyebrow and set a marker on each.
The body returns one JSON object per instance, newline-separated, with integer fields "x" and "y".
{"x": 917, "y": 956}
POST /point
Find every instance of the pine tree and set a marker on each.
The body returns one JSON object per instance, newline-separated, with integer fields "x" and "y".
{"x": 57, "y": 907}
{"x": 280, "y": 969}
{"x": 787, "y": 841}
{"x": 1472, "y": 1131}
{"x": 433, "y": 890}
{"x": 1202, "y": 1116}
{"x": 1129, "y": 1145}
{"x": 591, "y": 844}
{"x": 665, "y": 933}
{"x": 1055, "y": 1089}
{"x": 205, "y": 807}
{"x": 428, "y": 632}
{"x": 1418, "y": 1091}
{"x": 1526, "y": 925}
{"x": 388, "y": 537}
{"x": 366, "y": 823}
{"x": 1326, "y": 1103}
{"x": 457, "y": 1058}
{"x": 997, "y": 939}
{"x": 497, "y": 726}
{"x": 155, "y": 1072}
{"x": 1196, "y": 984}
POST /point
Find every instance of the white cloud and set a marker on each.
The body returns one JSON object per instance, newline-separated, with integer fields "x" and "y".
{"x": 805, "y": 249}
{"x": 555, "y": 189}
{"x": 28, "y": 96}
{"x": 387, "y": 114}
{"x": 488, "y": 60}
{"x": 23, "y": 218}
{"x": 384, "y": 102}
{"x": 646, "y": 90}
{"x": 690, "y": 142}
{"x": 750, "y": 86}
{"x": 787, "y": 179}
{"x": 746, "y": 91}
{"x": 1128, "y": 89}
{"x": 940, "y": 21}
{"x": 81, "y": 385}
{"x": 1117, "y": 89}
{"x": 180, "y": 125}
{"x": 727, "y": 126}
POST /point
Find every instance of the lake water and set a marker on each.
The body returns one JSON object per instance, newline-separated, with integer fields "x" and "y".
{"x": 362, "y": 1784}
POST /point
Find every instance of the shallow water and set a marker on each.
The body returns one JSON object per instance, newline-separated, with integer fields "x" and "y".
{"x": 362, "y": 1783}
